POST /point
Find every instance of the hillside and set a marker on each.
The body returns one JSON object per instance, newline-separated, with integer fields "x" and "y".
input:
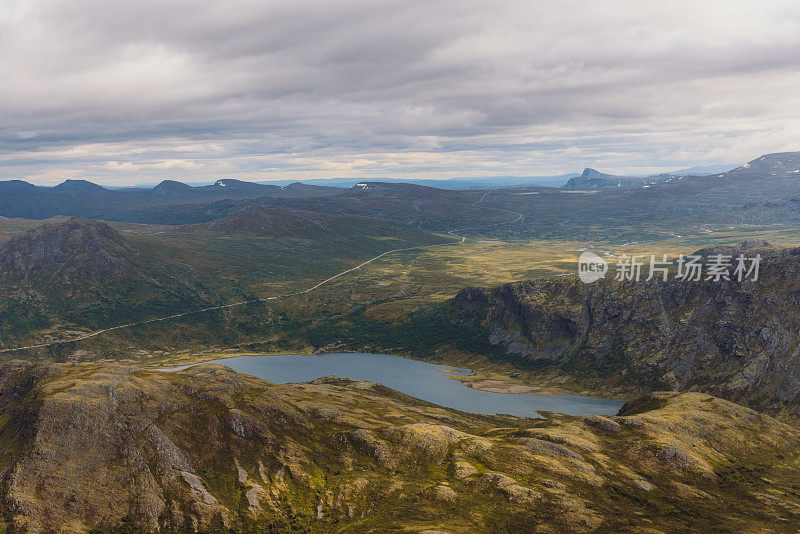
{"x": 84, "y": 273}
{"x": 782, "y": 164}
{"x": 737, "y": 340}
{"x": 77, "y": 253}
{"x": 425, "y": 207}
{"x": 254, "y": 219}
{"x": 111, "y": 449}
{"x": 63, "y": 279}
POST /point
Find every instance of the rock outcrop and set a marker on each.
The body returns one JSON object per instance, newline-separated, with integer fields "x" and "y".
{"x": 738, "y": 340}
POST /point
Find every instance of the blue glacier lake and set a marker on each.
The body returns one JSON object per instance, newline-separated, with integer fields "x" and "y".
{"x": 426, "y": 381}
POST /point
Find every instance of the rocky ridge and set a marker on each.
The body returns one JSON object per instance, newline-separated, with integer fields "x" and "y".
{"x": 104, "y": 448}
{"x": 738, "y": 340}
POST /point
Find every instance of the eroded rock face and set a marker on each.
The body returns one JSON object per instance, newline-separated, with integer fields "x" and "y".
{"x": 738, "y": 340}
{"x": 94, "y": 447}
{"x": 68, "y": 252}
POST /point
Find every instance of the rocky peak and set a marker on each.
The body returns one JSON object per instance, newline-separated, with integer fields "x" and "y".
{"x": 592, "y": 173}
{"x": 111, "y": 448}
{"x": 594, "y": 178}
{"x": 67, "y": 252}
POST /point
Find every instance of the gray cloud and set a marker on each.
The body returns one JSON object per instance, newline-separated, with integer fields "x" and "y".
{"x": 139, "y": 91}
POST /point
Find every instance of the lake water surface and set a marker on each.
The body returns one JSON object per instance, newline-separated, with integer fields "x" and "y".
{"x": 423, "y": 380}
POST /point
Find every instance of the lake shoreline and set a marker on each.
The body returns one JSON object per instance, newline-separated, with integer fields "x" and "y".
{"x": 451, "y": 387}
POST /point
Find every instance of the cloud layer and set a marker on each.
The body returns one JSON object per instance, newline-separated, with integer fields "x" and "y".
{"x": 139, "y": 91}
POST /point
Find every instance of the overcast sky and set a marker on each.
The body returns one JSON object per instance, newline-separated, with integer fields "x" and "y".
{"x": 137, "y": 91}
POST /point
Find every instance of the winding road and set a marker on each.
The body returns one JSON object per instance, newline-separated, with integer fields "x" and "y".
{"x": 519, "y": 217}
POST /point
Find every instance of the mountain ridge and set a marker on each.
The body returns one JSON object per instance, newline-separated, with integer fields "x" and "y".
{"x": 112, "y": 448}
{"x": 81, "y": 198}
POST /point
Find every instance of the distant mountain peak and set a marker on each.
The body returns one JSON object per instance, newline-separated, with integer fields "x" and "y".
{"x": 591, "y": 178}
{"x": 594, "y": 178}
{"x": 171, "y": 187}
{"x": 79, "y": 186}
{"x": 588, "y": 172}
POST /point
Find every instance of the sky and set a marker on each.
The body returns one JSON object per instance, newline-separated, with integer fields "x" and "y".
{"x": 136, "y": 92}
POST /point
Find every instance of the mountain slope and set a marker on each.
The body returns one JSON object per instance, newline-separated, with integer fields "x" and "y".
{"x": 425, "y": 207}
{"x": 733, "y": 339}
{"x": 785, "y": 164}
{"x": 254, "y": 219}
{"x": 94, "y": 448}
{"x": 74, "y": 253}
{"x": 84, "y": 272}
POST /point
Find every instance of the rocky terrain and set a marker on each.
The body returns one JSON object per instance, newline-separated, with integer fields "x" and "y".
{"x": 74, "y": 252}
{"x": 738, "y": 340}
{"x": 107, "y": 448}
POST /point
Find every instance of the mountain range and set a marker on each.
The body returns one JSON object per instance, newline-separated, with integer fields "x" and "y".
{"x": 80, "y": 198}
{"x": 728, "y": 197}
